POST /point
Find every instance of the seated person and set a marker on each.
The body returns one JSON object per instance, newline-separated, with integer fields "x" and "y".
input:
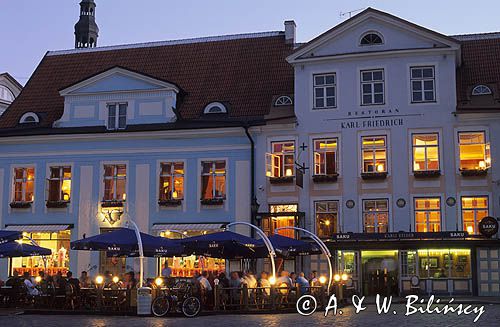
{"x": 30, "y": 287}
{"x": 303, "y": 283}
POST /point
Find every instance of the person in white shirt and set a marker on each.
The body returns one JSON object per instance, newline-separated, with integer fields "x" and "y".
{"x": 205, "y": 284}
{"x": 30, "y": 287}
{"x": 166, "y": 271}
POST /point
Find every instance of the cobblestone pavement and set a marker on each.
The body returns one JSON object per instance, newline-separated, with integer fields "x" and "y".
{"x": 369, "y": 317}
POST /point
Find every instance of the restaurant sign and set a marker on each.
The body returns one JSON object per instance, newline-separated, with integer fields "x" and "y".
{"x": 488, "y": 226}
{"x": 397, "y": 236}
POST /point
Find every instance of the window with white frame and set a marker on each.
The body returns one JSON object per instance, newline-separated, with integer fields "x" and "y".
{"x": 325, "y": 91}
{"x": 213, "y": 180}
{"x": 376, "y": 215}
{"x": 425, "y": 152}
{"x": 371, "y": 38}
{"x": 281, "y": 161}
{"x": 374, "y": 154}
{"x": 115, "y": 182}
{"x": 171, "y": 181}
{"x": 24, "y": 184}
{"x": 59, "y": 184}
{"x": 327, "y": 213}
{"x": 481, "y": 90}
{"x": 423, "y": 84}
{"x": 372, "y": 87}
{"x": 325, "y": 156}
{"x": 428, "y": 214}
{"x": 474, "y": 208}
{"x": 474, "y": 151}
{"x": 117, "y": 116}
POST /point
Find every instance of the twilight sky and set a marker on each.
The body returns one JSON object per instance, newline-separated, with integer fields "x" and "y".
{"x": 28, "y": 28}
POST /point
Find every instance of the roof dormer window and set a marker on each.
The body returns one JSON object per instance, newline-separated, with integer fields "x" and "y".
{"x": 215, "y": 108}
{"x": 283, "y": 100}
{"x": 481, "y": 90}
{"x": 29, "y": 118}
{"x": 371, "y": 38}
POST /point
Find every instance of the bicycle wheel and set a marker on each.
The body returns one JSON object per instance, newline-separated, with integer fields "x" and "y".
{"x": 191, "y": 307}
{"x": 160, "y": 306}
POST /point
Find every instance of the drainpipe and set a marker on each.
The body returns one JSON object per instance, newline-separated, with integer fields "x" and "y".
{"x": 254, "y": 204}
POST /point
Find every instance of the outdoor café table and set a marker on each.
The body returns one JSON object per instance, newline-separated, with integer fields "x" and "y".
{"x": 114, "y": 299}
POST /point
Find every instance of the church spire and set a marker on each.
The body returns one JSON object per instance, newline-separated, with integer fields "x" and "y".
{"x": 86, "y": 30}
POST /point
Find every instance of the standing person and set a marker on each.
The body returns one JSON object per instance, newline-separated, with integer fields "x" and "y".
{"x": 73, "y": 282}
{"x": 30, "y": 287}
{"x": 293, "y": 277}
{"x": 206, "y": 288}
{"x": 84, "y": 280}
{"x": 235, "y": 285}
{"x": 313, "y": 279}
{"x": 166, "y": 271}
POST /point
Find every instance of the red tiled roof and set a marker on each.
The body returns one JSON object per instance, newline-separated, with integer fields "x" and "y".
{"x": 243, "y": 72}
{"x": 480, "y": 65}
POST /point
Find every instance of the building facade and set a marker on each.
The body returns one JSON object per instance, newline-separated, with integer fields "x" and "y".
{"x": 391, "y": 159}
{"x": 378, "y": 135}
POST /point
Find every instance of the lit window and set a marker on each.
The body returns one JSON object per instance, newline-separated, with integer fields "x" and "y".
{"x": 281, "y": 220}
{"x": 423, "y": 84}
{"x": 324, "y": 91}
{"x": 115, "y": 180}
{"x": 425, "y": 152}
{"x": 428, "y": 214}
{"x": 371, "y": 39}
{"x": 215, "y": 108}
{"x": 171, "y": 181}
{"x": 24, "y": 180}
{"x": 213, "y": 180}
{"x": 481, "y": 90}
{"x": 473, "y": 210}
{"x": 117, "y": 116}
{"x": 372, "y": 87}
{"x": 374, "y": 152}
{"x": 376, "y": 216}
{"x": 59, "y": 184}
{"x": 326, "y": 218}
{"x": 474, "y": 151}
{"x": 281, "y": 161}
{"x": 325, "y": 156}
{"x": 283, "y": 100}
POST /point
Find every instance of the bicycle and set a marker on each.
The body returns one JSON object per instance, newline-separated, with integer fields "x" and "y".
{"x": 183, "y": 301}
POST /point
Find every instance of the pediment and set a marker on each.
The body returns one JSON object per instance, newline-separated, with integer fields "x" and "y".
{"x": 118, "y": 79}
{"x": 397, "y": 35}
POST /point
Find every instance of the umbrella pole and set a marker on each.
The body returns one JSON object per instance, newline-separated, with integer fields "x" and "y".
{"x": 141, "y": 252}
{"x": 323, "y": 247}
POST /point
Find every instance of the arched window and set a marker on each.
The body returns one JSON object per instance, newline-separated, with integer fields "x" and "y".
{"x": 283, "y": 100}
{"x": 6, "y": 94}
{"x": 29, "y": 118}
{"x": 371, "y": 38}
{"x": 215, "y": 108}
{"x": 481, "y": 90}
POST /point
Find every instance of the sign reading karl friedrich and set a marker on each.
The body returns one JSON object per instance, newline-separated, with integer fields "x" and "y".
{"x": 373, "y": 119}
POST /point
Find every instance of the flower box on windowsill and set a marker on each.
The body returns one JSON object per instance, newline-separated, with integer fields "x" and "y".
{"x": 473, "y": 172}
{"x": 212, "y": 202}
{"x": 57, "y": 204}
{"x": 427, "y": 173}
{"x": 374, "y": 175}
{"x": 170, "y": 203}
{"x": 281, "y": 180}
{"x": 112, "y": 204}
{"x": 330, "y": 178}
{"x": 20, "y": 204}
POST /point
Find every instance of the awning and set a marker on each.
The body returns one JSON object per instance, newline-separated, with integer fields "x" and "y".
{"x": 38, "y": 228}
{"x": 188, "y": 227}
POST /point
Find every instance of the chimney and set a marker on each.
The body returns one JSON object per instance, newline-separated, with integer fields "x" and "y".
{"x": 290, "y": 28}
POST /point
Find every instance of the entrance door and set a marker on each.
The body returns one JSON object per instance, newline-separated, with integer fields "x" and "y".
{"x": 380, "y": 272}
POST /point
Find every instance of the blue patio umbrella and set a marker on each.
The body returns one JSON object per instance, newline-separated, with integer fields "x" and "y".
{"x": 225, "y": 245}
{"x": 9, "y": 236}
{"x": 291, "y": 247}
{"x": 123, "y": 241}
{"x": 15, "y": 249}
